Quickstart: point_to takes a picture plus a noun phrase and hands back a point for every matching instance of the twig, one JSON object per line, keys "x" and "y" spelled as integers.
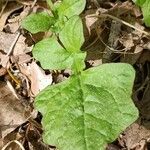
{"x": 125, "y": 53}
{"x": 13, "y": 44}
{"x": 33, "y": 4}
{"x": 110, "y": 48}
{"x": 112, "y": 42}
{"x": 92, "y": 43}
{"x": 4, "y": 61}
{"x": 121, "y": 21}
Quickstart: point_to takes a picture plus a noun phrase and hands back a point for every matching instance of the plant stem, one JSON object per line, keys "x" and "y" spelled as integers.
{"x": 51, "y": 5}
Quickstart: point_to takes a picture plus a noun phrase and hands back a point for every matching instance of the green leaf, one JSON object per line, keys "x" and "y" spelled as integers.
{"x": 72, "y": 34}
{"x": 53, "y": 56}
{"x": 40, "y": 22}
{"x": 146, "y": 12}
{"x": 139, "y": 2}
{"x": 88, "y": 111}
{"x": 69, "y": 8}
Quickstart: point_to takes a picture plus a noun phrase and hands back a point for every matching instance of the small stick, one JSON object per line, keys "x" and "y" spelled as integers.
{"x": 13, "y": 44}
{"x": 121, "y": 21}
{"x": 33, "y": 4}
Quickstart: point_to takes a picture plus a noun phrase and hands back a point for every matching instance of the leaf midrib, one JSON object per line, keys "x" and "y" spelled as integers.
{"x": 81, "y": 87}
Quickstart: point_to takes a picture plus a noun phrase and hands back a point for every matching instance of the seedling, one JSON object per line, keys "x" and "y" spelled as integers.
{"x": 91, "y": 108}
{"x": 55, "y": 19}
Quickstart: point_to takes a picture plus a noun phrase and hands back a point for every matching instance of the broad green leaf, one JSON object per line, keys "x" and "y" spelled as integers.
{"x": 69, "y": 8}
{"x": 146, "y": 12}
{"x": 72, "y": 34}
{"x": 53, "y": 56}
{"x": 39, "y": 22}
{"x": 88, "y": 111}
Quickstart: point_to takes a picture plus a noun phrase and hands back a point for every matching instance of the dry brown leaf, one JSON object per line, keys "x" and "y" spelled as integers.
{"x": 3, "y": 71}
{"x": 90, "y": 21}
{"x": 21, "y": 47}
{"x": 140, "y": 146}
{"x": 12, "y": 27}
{"x": 6, "y": 40}
{"x": 20, "y": 59}
{"x": 147, "y": 46}
{"x": 137, "y": 33}
{"x": 4, "y": 60}
{"x": 12, "y": 43}
{"x": 14, "y": 23}
{"x": 134, "y": 135}
{"x": 127, "y": 41}
{"x": 10, "y": 8}
{"x": 37, "y": 77}
{"x": 12, "y": 111}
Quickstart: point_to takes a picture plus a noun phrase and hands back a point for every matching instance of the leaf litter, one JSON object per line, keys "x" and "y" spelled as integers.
{"x": 107, "y": 40}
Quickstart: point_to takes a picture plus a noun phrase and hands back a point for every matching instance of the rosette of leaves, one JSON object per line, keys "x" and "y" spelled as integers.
{"x": 55, "y": 19}
{"x": 92, "y": 107}
{"x": 145, "y": 6}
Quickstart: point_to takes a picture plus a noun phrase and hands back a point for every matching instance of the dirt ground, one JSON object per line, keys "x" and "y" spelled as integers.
{"x": 118, "y": 34}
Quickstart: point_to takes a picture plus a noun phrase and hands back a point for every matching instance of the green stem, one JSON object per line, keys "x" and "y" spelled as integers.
{"x": 78, "y": 64}
{"x": 51, "y": 5}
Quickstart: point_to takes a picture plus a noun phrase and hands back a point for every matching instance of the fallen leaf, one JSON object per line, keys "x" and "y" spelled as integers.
{"x": 4, "y": 60}
{"x": 21, "y": 47}
{"x": 6, "y": 40}
{"x": 11, "y": 7}
{"x": 12, "y": 112}
{"x": 20, "y": 59}
{"x": 127, "y": 41}
{"x": 3, "y": 71}
{"x": 134, "y": 134}
{"x": 14, "y": 23}
{"x": 37, "y": 77}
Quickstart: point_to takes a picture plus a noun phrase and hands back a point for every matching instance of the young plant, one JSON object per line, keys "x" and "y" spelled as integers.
{"x": 91, "y": 108}
{"x": 145, "y": 6}
{"x": 56, "y": 18}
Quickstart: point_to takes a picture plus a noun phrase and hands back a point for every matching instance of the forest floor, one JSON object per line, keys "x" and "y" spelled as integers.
{"x": 118, "y": 35}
